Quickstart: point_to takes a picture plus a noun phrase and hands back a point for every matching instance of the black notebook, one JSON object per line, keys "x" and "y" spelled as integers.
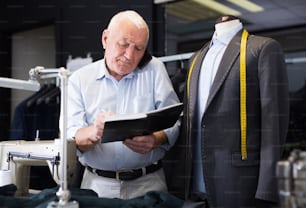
{"x": 120, "y": 127}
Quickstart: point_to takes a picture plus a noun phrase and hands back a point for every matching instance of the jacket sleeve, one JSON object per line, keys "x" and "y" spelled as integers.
{"x": 274, "y": 98}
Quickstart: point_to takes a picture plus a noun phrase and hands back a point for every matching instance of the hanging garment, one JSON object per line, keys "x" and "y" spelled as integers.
{"x": 37, "y": 117}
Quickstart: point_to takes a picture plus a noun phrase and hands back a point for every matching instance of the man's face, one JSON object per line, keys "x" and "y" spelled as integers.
{"x": 124, "y": 47}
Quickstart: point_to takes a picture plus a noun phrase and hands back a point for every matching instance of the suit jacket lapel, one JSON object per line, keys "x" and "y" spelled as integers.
{"x": 229, "y": 57}
{"x": 194, "y": 79}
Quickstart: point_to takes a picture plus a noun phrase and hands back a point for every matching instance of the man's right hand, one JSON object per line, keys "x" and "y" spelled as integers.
{"x": 87, "y": 137}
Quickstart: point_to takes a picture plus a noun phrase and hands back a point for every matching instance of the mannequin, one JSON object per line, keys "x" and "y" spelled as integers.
{"x": 223, "y": 27}
{"x": 210, "y": 167}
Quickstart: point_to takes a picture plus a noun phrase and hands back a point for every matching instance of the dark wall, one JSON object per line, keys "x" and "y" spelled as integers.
{"x": 78, "y": 27}
{"x": 5, "y": 57}
{"x": 81, "y": 26}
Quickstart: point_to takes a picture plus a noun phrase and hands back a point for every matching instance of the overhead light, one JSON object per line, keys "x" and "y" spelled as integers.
{"x": 218, "y": 7}
{"x": 162, "y": 1}
{"x": 190, "y": 11}
{"x": 247, "y": 5}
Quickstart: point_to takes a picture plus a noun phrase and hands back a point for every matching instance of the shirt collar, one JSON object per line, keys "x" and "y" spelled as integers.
{"x": 103, "y": 72}
{"x": 225, "y": 38}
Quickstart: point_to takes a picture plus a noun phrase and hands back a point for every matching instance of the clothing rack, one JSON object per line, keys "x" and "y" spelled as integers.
{"x": 295, "y": 60}
{"x": 184, "y": 56}
{"x": 176, "y": 57}
{"x": 32, "y": 84}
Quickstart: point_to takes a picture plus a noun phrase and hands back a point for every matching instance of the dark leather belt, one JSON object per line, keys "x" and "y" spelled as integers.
{"x": 127, "y": 175}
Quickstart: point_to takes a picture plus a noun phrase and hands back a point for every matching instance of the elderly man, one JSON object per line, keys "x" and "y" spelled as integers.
{"x": 127, "y": 80}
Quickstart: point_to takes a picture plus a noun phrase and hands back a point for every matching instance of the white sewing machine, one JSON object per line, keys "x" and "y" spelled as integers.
{"x": 19, "y": 156}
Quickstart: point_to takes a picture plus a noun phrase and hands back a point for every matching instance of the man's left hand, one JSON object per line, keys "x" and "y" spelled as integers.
{"x": 141, "y": 144}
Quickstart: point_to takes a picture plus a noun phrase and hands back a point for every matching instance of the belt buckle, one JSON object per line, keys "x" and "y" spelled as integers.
{"x": 128, "y": 175}
{"x": 126, "y": 178}
{"x": 93, "y": 170}
{"x": 118, "y": 174}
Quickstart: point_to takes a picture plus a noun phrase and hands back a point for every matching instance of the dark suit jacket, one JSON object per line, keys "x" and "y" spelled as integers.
{"x": 229, "y": 180}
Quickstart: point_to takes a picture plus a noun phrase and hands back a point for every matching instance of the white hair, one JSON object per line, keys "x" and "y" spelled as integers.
{"x": 132, "y": 17}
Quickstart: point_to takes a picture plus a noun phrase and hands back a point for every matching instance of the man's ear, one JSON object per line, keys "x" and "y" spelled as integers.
{"x": 145, "y": 59}
{"x": 104, "y": 37}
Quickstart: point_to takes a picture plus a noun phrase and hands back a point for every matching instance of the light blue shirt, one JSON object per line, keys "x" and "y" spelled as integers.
{"x": 92, "y": 89}
{"x": 207, "y": 75}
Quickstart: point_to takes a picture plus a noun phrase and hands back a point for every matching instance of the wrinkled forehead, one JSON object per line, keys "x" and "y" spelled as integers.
{"x": 129, "y": 33}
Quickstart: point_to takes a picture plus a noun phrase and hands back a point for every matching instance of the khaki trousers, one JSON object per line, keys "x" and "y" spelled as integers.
{"x": 112, "y": 188}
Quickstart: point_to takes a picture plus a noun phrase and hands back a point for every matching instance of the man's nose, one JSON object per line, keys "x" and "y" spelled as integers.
{"x": 129, "y": 52}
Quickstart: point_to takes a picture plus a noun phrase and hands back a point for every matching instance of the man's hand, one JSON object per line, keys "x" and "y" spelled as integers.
{"x": 88, "y": 137}
{"x": 144, "y": 144}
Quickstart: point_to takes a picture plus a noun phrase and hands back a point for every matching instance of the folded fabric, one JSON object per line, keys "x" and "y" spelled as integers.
{"x": 8, "y": 190}
{"x": 88, "y": 198}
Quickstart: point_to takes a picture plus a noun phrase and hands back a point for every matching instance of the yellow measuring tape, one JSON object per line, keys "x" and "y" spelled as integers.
{"x": 189, "y": 74}
{"x": 243, "y": 113}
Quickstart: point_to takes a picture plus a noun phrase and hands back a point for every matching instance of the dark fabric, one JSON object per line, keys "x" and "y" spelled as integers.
{"x": 178, "y": 81}
{"x": 19, "y": 125}
{"x": 229, "y": 181}
{"x": 8, "y": 190}
{"x": 35, "y": 114}
{"x": 88, "y": 198}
